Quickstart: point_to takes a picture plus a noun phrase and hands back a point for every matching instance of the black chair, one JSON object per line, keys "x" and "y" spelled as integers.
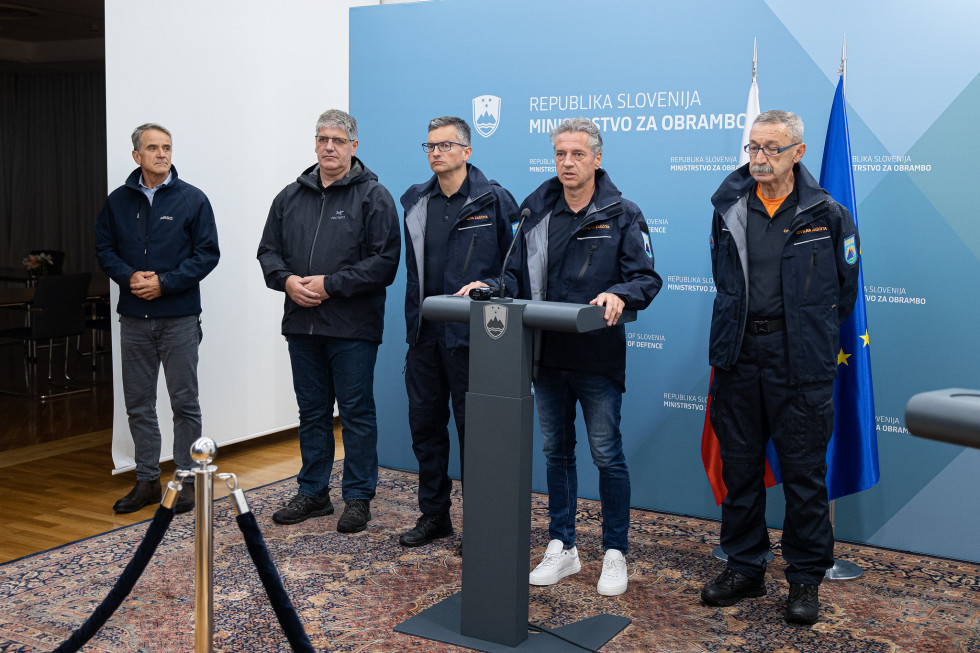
{"x": 57, "y": 311}
{"x": 99, "y": 323}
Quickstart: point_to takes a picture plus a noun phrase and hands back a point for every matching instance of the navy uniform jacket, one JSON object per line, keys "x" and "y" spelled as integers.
{"x": 819, "y": 275}
{"x": 479, "y": 238}
{"x": 176, "y": 238}
{"x": 610, "y": 252}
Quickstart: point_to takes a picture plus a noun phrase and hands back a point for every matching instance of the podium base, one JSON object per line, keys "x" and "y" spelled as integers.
{"x": 441, "y": 623}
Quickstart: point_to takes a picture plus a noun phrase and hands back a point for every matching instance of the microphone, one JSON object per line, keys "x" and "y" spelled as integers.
{"x": 503, "y": 267}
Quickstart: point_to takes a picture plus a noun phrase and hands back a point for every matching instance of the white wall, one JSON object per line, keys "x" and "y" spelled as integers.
{"x": 240, "y": 85}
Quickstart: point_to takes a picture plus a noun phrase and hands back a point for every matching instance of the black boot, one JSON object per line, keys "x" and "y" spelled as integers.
{"x": 427, "y": 528}
{"x": 185, "y": 500}
{"x": 143, "y": 493}
{"x": 803, "y": 605}
{"x": 731, "y": 587}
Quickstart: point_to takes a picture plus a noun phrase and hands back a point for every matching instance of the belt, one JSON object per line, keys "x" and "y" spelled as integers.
{"x": 756, "y": 325}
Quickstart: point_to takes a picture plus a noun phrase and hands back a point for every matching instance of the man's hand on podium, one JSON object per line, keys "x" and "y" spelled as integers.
{"x": 614, "y": 306}
{"x": 465, "y": 290}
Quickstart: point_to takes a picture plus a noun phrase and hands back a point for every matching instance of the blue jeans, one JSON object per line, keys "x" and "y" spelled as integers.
{"x": 555, "y": 393}
{"x": 146, "y": 343}
{"x": 327, "y": 369}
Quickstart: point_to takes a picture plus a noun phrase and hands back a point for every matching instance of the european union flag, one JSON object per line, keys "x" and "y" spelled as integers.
{"x": 852, "y": 457}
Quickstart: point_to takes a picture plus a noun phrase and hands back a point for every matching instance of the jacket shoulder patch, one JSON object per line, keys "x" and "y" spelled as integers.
{"x": 850, "y": 250}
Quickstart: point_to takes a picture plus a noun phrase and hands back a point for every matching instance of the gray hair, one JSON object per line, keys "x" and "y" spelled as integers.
{"x": 462, "y": 129}
{"x": 579, "y": 125}
{"x": 792, "y": 122}
{"x": 138, "y": 133}
{"x": 337, "y": 119}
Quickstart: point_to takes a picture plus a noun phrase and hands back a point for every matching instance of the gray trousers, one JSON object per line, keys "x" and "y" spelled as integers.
{"x": 146, "y": 343}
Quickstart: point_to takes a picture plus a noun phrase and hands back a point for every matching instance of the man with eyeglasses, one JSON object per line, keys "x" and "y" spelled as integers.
{"x": 331, "y": 245}
{"x": 457, "y": 227}
{"x": 584, "y": 243}
{"x": 784, "y": 257}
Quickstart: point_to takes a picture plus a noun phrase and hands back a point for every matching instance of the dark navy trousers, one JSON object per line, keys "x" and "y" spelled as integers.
{"x": 435, "y": 378}
{"x": 751, "y": 403}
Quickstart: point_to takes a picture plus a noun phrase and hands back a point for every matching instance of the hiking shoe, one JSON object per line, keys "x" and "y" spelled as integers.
{"x": 143, "y": 493}
{"x": 427, "y": 528}
{"x": 357, "y": 513}
{"x": 301, "y": 507}
{"x": 558, "y": 562}
{"x": 803, "y": 605}
{"x": 614, "y": 577}
{"x": 731, "y": 587}
{"x": 185, "y": 500}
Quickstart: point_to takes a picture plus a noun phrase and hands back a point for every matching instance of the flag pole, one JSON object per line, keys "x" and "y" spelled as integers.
{"x": 842, "y": 569}
{"x": 751, "y": 111}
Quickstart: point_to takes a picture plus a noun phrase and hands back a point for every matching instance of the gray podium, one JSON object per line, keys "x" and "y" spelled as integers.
{"x": 491, "y": 611}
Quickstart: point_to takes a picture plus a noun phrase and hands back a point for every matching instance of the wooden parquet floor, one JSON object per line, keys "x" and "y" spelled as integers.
{"x": 61, "y": 491}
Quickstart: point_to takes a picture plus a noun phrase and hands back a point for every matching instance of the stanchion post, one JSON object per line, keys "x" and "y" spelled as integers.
{"x": 203, "y": 452}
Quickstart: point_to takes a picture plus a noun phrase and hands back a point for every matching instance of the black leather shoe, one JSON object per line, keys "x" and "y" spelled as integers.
{"x": 301, "y": 508}
{"x": 143, "y": 493}
{"x": 185, "y": 500}
{"x": 803, "y": 605}
{"x": 357, "y": 513}
{"x": 731, "y": 587}
{"x": 427, "y": 528}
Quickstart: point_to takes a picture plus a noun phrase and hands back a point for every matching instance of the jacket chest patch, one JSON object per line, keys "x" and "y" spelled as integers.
{"x": 167, "y": 217}
{"x": 339, "y": 215}
{"x": 599, "y": 230}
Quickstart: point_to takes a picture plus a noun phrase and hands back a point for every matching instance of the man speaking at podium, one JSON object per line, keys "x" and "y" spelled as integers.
{"x": 583, "y": 242}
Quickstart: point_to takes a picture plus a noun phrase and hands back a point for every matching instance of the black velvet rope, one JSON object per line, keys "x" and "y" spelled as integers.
{"x": 119, "y": 592}
{"x": 283, "y": 607}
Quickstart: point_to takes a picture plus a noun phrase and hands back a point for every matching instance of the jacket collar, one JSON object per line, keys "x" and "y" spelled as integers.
{"x": 358, "y": 172}
{"x": 543, "y": 200}
{"x": 133, "y": 180}
{"x": 740, "y": 183}
{"x": 479, "y": 186}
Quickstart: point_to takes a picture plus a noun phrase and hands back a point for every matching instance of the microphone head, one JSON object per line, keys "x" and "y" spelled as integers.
{"x": 526, "y": 213}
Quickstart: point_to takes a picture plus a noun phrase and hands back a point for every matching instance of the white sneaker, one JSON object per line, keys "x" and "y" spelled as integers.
{"x": 558, "y": 562}
{"x": 614, "y": 577}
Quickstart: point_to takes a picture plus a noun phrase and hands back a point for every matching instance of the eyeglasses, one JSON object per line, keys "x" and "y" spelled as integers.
{"x": 325, "y": 140}
{"x": 752, "y": 150}
{"x": 444, "y": 146}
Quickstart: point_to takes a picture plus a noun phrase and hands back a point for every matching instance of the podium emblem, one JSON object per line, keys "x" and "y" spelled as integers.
{"x": 495, "y": 320}
{"x": 486, "y": 114}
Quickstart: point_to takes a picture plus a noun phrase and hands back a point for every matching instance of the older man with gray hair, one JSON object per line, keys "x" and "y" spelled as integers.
{"x": 331, "y": 245}
{"x": 784, "y": 256}
{"x": 156, "y": 238}
{"x": 583, "y": 242}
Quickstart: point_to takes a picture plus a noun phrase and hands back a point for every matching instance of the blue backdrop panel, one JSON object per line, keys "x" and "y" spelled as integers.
{"x": 667, "y": 85}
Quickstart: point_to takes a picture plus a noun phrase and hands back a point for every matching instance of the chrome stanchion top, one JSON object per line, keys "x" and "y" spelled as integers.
{"x": 203, "y": 451}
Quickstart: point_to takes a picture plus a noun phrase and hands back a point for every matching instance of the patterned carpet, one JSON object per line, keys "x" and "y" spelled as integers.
{"x": 350, "y": 591}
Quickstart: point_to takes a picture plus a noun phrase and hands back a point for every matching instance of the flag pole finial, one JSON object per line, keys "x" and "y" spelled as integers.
{"x": 842, "y": 71}
{"x": 755, "y": 58}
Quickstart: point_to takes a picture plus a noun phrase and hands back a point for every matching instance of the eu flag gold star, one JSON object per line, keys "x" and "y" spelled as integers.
{"x": 865, "y": 338}
{"x": 842, "y": 357}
